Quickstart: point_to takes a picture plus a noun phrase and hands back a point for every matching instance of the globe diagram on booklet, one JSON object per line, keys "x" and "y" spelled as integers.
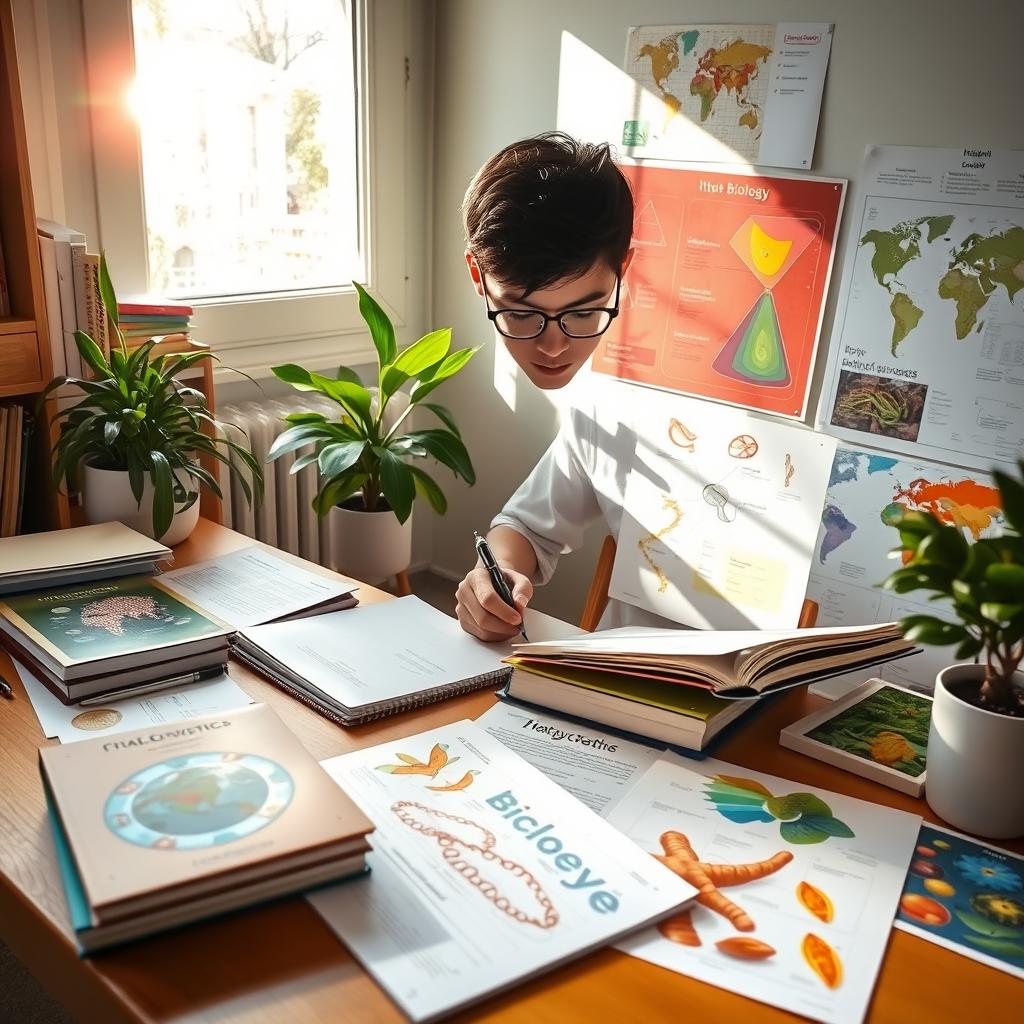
{"x": 198, "y": 801}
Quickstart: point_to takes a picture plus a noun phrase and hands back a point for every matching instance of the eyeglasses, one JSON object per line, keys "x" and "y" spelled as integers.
{"x": 526, "y": 324}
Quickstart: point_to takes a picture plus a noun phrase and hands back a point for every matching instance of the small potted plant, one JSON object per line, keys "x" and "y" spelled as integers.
{"x": 976, "y": 741}
{"x": 132, "y": 442}
{"x": 368, "y": 480}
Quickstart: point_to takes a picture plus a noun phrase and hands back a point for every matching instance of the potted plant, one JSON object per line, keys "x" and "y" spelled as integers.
{"x": 976, "y": 740}
{"x": 133, "y": 440}
{"x": 368, "y": 482}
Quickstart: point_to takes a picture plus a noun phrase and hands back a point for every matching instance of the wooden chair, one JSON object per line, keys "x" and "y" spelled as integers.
{"x": 597, "y": 595}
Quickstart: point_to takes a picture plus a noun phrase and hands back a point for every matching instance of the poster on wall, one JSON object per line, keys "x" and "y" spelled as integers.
{"x": 867, "y": 490}
{"x": 720, "y": 514}
{"x": 726, "y": 291}
{"x": 927, "y": 356}
{"x": 745, "y": 93}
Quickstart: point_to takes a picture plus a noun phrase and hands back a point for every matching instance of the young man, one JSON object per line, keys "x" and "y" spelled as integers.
{"x": 548, "y": 225}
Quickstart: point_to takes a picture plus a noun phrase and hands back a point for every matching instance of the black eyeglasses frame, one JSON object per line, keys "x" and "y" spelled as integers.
{"x": 612, "y": 311}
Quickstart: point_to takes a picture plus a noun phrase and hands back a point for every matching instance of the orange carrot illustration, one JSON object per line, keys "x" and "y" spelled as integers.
{"x": 463, "y": 783}
{"x": 414, "y": 766}
{"x": 679, "y": 928}
{"x": 707, "y": 879}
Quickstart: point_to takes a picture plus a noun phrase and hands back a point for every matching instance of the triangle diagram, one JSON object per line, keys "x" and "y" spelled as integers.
{"x": 755, "y": 352}
{"x": 647, "y": 228}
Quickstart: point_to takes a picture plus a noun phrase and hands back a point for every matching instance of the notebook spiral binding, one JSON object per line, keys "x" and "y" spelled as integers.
{"x": 408, "y": 703}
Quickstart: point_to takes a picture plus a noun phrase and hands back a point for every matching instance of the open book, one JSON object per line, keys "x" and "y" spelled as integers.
{"x": 731, "y": 663}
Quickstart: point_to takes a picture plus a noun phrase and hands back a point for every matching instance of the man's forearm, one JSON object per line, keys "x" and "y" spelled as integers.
{"x": 512, "y": 550}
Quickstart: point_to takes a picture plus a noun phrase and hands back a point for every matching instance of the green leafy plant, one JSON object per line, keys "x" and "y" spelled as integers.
{"x": 984, "y": 581}
{"x": 136, "y": 417}
{"x": 364, "y": 453}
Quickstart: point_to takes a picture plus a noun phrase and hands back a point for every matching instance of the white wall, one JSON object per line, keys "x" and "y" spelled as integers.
{"x": 912, "y": 72}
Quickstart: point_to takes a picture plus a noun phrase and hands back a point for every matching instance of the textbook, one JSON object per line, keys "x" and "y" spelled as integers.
{"x": 484, "y": 872}
{"x": 164, "y": 825}
{"x": 375, "y": 660}
{"x": 729, "y": 663}
{"x": 106, "y": 635}
{"x": 682, "y": 716}
{"x": 60, "y": 557}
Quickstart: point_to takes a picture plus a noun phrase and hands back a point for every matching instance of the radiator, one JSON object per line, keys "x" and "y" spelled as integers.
{"x": 286, "y": 518}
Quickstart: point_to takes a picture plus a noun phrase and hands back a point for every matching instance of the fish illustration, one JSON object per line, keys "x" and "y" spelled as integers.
{"x": 414, "y": 766}
{"x": 463, "y": 783}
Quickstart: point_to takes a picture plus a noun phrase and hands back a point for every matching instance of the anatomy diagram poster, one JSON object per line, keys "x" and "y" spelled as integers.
{"x": 721, "y": 515}
{"x": 725, "y": 294}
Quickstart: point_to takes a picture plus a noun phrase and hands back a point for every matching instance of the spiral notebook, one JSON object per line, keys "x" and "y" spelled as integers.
{"x": 375, "y": 660}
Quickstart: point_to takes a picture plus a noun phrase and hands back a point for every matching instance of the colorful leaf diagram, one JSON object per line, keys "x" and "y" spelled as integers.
{"x": 410, "y": 765}
{"x": 805, "y": 818}
{"x": 464, "y": 783}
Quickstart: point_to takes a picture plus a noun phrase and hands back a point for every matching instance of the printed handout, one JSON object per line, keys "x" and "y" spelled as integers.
{"x": 595, "y": 766}
{"x": 798, "y": 886}
{"x": 483, "y": 871}
{"x": 70, "y": 723}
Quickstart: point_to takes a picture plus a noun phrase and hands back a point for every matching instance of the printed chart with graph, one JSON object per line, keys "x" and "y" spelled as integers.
{"x": 721, "y": 511}
{"x": 724, "y": 297}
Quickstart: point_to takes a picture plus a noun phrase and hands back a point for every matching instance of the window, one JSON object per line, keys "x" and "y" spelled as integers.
{"x": 254, "y": 157}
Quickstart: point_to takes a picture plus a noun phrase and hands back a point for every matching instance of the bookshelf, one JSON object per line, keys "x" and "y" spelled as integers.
{"x": 25, "y": 363}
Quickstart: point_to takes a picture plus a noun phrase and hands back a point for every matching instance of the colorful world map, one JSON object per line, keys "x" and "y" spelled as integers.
{"x": 974, "y": 269}
{"x": 731, "y": 66}
{"x": 970, "y": 504}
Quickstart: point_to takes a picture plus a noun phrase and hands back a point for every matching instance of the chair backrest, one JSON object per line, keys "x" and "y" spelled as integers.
{"x": 597, "y": 595}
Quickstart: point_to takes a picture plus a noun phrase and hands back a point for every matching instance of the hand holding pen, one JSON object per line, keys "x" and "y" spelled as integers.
{"x": 498, "y": 582}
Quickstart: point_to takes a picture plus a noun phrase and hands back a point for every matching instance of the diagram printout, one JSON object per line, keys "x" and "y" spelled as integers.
{"x": 725, "y": 293}
{"x": 927, "y": 356}
{"x": 721, "y": 511}
{"x": 866, "y": 491}
{"x": 798, "y": 886}
{"x": 750, "y": 93}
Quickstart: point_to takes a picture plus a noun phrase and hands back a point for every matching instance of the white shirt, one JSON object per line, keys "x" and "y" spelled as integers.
{"x": 579, "y": 479}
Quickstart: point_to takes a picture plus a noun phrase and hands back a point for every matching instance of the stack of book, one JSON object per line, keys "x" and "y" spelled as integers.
{"x": 142, "y": 317}
{"x": 61, "y": 557}
{"x": 162, "y": 826}
{"x": 682, "y": 687}
{"x": 71, "y": 284}
{"x": 110, "y": 635}
{"x": 15, "y": 428}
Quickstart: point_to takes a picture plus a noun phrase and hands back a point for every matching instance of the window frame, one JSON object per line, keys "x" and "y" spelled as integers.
{"x": 319, "y": 328}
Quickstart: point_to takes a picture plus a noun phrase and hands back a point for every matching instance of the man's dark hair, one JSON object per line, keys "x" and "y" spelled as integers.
{"x": 547, "y": 209}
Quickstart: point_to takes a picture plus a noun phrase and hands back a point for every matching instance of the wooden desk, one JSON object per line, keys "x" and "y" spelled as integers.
{"x": 282, "y": 964}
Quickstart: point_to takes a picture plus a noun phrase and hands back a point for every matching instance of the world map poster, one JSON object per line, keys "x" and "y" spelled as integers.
{"x": 866, "y": 491}
{"x": 747, "y": 93}
{"x": 725, "y": 294}
{"x": 927, "y": 355}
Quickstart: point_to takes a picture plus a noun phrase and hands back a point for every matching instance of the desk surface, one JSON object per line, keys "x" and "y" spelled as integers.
{"x": 282, "y": 963}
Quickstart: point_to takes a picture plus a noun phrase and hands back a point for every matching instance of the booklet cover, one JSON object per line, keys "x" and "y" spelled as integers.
{"x": 798, "y": 885}
{"x": 966, "y": 896}
{"x": 878, "y": 730}
{"x": 484, "y": 872}
{"x": 149, "y": 810}
{"x": 73, "y": 626}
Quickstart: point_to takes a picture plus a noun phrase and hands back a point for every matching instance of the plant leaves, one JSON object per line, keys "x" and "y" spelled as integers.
{"x": 163, "y": 493}
{"x": 425, "y": 353}
{"x": 338, "y": 456}
{"x": 381, "y": 329}
{"x": 298, "y": 377}
{"x": 928, "y": 629}
{"x": 1012, "y": 492}
{"x": 107, "y": 291}
{"x": 448, "y": 449}
{"x": 448, "y": 367}
{"x": 445, "y": 416}
{"x": 336, "y": 491}
{"x": 427, "y": 488}
{"x": 346, "y": 373}
{"x": 396, "y": 483}
{"x": 352, "y": 397}
{"x": 92, "y": 354}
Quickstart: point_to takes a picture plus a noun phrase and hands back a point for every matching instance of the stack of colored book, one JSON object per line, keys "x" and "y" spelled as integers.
{"x": 142, "y": 317}
{"x": 162, "y": 826}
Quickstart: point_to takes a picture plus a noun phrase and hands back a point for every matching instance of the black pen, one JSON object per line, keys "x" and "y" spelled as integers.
{"x": 498, "y": 581}
{"x": 5, "y": 689}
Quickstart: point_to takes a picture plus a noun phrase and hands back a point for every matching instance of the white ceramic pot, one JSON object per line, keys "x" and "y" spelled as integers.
{"x": 107, "y": 497}
{"x": 975, "y": 759}
{"x": 369, "y": 546}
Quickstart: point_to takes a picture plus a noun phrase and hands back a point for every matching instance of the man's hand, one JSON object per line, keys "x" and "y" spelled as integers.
{"x": 484, "y": 614}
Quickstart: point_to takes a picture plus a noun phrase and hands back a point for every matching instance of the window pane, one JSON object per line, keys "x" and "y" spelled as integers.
{"x": 247, "y": 117}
